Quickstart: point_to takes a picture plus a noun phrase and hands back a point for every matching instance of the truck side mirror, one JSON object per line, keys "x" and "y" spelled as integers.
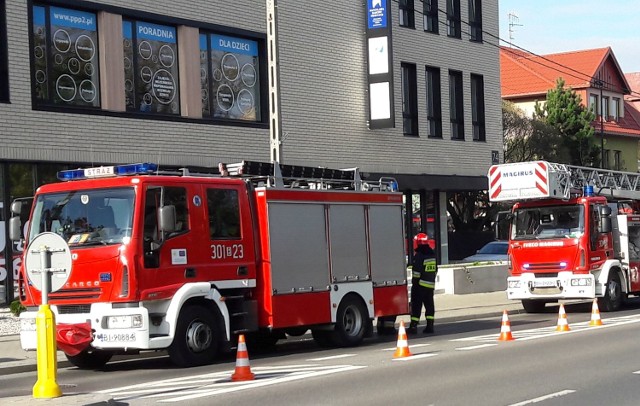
{"x": 605, "y": 211}
{"x": 605, "y": 225}
{"x": 15, "y": 227}
{"x": 167, "y": 219}
{"x": 16, "y": 207}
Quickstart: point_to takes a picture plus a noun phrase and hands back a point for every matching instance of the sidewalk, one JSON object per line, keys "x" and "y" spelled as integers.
{"x": 449, "y": 308}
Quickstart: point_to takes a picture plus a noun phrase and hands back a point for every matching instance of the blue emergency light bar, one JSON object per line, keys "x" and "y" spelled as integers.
{"x": 108, "y": 171}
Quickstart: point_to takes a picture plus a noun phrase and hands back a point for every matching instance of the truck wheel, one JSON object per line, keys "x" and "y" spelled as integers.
{"x": 612, "y": 299}
{"x": 196, "y": 340}
{"x": 90, "y": 359}
{"x": 351, "y": 322}
{"x": 533, "y": 306}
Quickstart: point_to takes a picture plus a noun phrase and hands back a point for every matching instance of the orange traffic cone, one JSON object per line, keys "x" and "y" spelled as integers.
{"x": 505, "y": 328}
{"x": 595, "y": 314}
{"x": 243, "y": 369}
{"x": 563, "y": 324}
{"x": 402, "y": 348}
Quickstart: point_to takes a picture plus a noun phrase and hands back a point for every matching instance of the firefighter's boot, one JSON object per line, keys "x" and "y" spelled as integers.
{"x": 429, "y": 329}
{"x": 413, "y": 328}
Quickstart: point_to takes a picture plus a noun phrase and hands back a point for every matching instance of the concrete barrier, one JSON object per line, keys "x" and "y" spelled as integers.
{"x": 460, "y": 279}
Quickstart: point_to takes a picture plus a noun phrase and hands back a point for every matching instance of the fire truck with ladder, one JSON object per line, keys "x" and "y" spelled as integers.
{"x": 574, "y": 233}
{"x": 186, "y": 262}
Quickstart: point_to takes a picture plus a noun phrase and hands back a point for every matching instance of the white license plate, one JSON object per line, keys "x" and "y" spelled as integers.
{"x": 545, "y": 284}
{"x": 116, "y": 337}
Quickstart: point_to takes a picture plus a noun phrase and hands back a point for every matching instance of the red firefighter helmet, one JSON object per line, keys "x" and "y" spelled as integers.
{"x": 421, "y": 239}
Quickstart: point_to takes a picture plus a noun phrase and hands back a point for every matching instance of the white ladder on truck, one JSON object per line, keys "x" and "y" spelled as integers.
{"x": 604, "y": 181}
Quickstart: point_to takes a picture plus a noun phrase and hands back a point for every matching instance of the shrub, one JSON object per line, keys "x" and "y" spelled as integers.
{"x": 16, "y": 307}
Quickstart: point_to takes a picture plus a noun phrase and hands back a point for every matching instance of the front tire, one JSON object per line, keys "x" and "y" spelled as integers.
{"x": 90, "y": 359}
{"x": 612, "y": 300}
{"x": 196, "y": 340}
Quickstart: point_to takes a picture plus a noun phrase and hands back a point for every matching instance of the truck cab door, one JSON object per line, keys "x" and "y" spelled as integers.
{"x": 169, "y": 250}
{"x": 229, "y": 233}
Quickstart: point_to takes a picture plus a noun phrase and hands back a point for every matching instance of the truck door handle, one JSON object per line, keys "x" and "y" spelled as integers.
{"x": 190, "y": 273}
{"x": 242, "y": 271}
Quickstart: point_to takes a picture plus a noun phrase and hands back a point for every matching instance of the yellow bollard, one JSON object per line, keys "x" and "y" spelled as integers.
{"x": 46, "y": 385}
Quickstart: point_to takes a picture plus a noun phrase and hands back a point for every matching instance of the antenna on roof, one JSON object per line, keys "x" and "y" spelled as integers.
{"x": 513, "y": 22}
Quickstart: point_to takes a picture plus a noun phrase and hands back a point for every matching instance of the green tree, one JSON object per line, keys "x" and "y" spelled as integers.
{"x": 564, "y": 111}
{"x": 529, "y": 139}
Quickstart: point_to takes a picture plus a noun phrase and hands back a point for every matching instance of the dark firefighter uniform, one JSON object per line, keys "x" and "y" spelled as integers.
{"x": 423, "y": 283}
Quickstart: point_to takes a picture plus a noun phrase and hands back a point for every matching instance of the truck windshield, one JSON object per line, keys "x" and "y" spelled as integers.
{"x": 85, "y": 217}
{"x": 548, "y": 222}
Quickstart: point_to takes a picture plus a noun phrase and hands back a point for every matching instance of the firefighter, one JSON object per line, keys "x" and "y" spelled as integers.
{"x": 423, "y": 283}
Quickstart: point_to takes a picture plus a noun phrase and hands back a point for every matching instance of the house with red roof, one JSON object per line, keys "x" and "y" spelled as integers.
{"x": 596, "y": 76}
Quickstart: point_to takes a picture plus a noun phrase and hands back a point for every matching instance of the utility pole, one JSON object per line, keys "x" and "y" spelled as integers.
{"x": 600, "y": 84}
{"x": 275, "y": 116}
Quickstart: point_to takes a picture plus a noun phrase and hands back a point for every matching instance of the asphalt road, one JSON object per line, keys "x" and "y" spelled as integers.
{"x": 463, "y": 364}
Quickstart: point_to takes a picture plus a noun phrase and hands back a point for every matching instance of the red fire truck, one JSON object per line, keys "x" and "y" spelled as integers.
{"x": 186, "y": 262}
{"x": 575, "y": 232}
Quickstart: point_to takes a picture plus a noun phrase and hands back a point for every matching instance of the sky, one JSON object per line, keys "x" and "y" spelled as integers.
{"x": 552, "y": 26}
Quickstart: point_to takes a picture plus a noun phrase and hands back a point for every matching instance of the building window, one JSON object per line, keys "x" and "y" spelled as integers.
{"x": 151, "y": 67}
{"x": 593, "y": 104}
{"x": 430, "y": 15}
{"x": 4, "y": 62}
{"x": 455, "y": 105}
{"x": 434, "y": 107}
{"x": 453, "y": 19}
{"x": 605, "y": 107}
{"x": 477, "y": 107}
{"x": 475, "y": 20}
{"x": 617, "y": 160}
{"x": 605, "y": 164}
{"x": 65, "y": 57}
{"x": 409, "y": 99}
{"x": 406, "y": 13}
{"x": 616, "y": 108}
{"x": 229, "y": 78}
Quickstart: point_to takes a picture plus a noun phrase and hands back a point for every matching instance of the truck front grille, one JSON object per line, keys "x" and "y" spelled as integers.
{"x": 75, "y": 294}
{"x": 74, "y": 309}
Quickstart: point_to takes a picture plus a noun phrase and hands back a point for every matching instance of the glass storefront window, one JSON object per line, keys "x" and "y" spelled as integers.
{"x": 151, "y": 67}
{"x": 65, "y": 57}
{"x": 230, "y": 79}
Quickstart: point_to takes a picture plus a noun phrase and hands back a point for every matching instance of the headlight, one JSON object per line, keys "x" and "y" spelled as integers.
{"x": 125, "y": 321}
{"x": 581, "y": 282}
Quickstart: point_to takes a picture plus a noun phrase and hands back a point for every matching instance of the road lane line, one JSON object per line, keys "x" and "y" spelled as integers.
{"x": 411, "y": 346}
{"x": 332, "y": 357}
{"x": 414, "y": 357}
{"x": 475, "y": 347}
{"x": 260, "y": 383}
{"x": 545, "y": 397}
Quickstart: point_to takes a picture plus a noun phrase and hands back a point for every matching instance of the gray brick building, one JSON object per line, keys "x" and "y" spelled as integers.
{"x": 185, "y": 83}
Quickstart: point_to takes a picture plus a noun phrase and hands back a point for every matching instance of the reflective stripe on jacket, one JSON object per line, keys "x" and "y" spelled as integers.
{"x": 428, "y": 275}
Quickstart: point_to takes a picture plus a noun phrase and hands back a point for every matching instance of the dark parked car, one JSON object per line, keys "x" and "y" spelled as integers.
{"x": 493, "y": 251}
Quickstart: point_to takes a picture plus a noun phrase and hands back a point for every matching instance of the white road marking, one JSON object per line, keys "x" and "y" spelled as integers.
{"x": 410, "y": 346}
{"x": 542, "y": 332}
{"x": 414, "y": 357}
{"x": 260, "y": 383}
{"x": 191, "y": 387}
{"x": 545, "y": 397}
{"x": 332, "y": 357}
{"x": 475, "y": 347}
